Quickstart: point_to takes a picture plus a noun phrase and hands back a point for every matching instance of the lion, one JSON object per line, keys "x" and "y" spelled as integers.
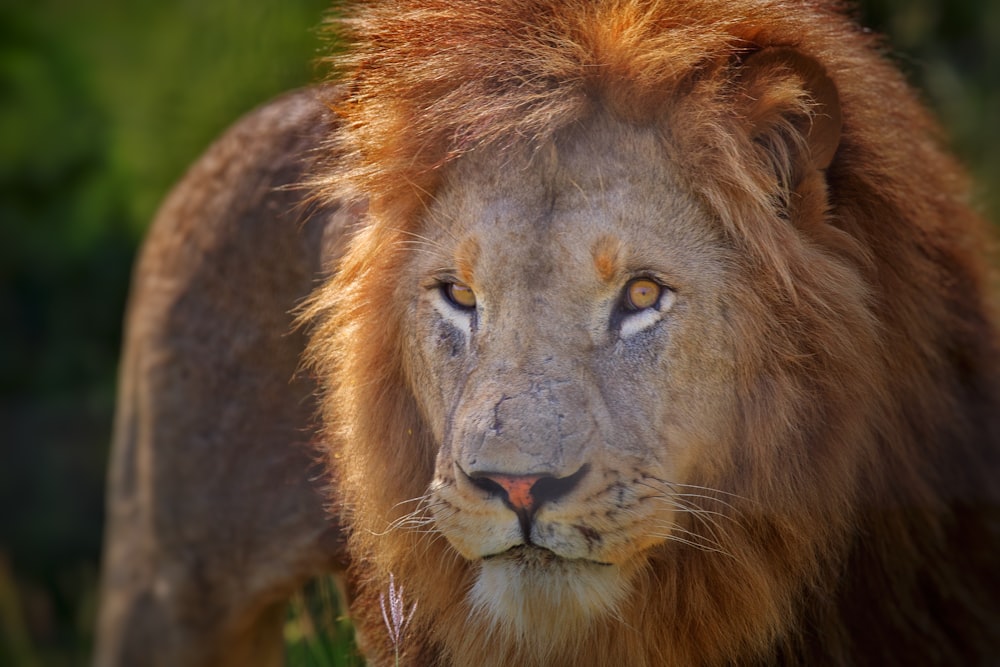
{"x": 640, "y": 332}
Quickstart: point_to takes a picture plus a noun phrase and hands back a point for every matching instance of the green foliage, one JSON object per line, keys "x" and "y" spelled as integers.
{"x": 102, "y": 106}
{"x": 951, "y": 50}
{"x": 62, "y": 233}
{"x": 316, "y": 635}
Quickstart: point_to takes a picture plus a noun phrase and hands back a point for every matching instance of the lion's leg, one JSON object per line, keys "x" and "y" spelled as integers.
{"x": 214, "y": 513}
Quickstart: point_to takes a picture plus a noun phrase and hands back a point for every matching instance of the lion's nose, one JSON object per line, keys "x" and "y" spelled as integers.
{"x": 526, "y": 493}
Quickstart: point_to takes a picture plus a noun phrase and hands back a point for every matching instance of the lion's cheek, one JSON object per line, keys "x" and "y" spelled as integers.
{"x": 589, "y": 535}
{"x": 433, "y": 372}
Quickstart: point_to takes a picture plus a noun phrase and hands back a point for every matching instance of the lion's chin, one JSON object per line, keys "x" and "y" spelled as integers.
{"x": 530, "y": 591}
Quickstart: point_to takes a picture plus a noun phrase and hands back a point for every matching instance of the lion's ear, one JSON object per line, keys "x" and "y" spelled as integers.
{"x": 794, "y": 110}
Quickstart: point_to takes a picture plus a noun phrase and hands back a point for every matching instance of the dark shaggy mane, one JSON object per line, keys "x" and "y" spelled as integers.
{"x": 903, "y": 322}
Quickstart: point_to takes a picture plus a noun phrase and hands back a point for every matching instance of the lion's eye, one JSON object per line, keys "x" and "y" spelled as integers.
{"x": 459, "y": 295}
{"x": 641, "y": 293}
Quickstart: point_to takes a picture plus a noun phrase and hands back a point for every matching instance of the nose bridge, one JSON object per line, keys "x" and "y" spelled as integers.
{"x": 526, "y": 422}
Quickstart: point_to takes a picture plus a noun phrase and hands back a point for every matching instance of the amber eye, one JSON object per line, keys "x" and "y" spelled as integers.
{"x": 641, "y": 293}
{"x": 461, "y": 296}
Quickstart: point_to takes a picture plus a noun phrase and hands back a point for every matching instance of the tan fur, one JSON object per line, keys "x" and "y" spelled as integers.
{"x": 214, "y": 507}
{"x": 824, "y": 408}
{"x": 606, "y": 258}
{"x": 465, "y": 259}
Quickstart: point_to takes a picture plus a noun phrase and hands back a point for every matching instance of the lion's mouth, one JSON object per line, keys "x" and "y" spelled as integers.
{"x": 531, "y": 555}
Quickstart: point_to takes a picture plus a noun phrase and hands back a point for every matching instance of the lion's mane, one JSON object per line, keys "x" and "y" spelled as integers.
{"x": 865, "y": 482}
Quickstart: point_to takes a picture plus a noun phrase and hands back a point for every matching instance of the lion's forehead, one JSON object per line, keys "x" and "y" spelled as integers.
{"x": 539, "y": 211}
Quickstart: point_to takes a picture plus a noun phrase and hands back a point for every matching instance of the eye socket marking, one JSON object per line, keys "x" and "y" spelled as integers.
{"x": 459, "y": 295}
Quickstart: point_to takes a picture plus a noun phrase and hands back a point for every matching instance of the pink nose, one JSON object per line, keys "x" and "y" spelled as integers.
{"x": 518, "y": 490}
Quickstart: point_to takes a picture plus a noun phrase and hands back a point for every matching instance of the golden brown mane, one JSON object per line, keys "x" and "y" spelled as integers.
{"x": 867, "y": 536}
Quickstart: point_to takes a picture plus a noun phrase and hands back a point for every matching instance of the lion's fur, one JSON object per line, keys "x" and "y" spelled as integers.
{"x": 213, "y": 518}
{"x": 864, "y": 479}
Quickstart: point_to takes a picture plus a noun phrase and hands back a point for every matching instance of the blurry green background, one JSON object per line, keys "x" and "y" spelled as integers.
{"x": 102, "y": 106}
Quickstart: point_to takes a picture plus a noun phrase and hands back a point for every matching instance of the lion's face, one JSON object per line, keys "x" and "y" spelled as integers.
{"x": 567, "y": 341}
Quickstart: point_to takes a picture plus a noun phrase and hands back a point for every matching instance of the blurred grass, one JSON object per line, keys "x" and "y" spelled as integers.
{"x": 316, "y": 633}
{"x": 103, "y": 104}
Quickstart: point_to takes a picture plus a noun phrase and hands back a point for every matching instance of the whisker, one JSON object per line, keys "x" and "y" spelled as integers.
{"x": 702, "y": 488}
{"x": 671, "y": 537}
{"x": 672, "y": 488}
{"x": 683, "y": 501}
{"x": 697, "y": 537}
{"x": 417, "y": 519}
{"x": 418, "y": 499}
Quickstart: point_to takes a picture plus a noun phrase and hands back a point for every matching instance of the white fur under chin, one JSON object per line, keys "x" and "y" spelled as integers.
{"x": 529, "y": 595}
